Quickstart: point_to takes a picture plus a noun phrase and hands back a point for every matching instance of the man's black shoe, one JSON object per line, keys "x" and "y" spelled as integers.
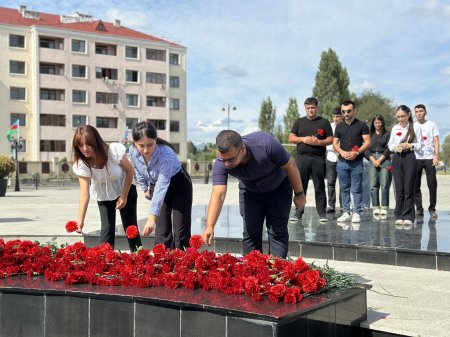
{"x": 330, "y": 210}
{"x": 433, "y": 214}
{"x": 419, "y": 212}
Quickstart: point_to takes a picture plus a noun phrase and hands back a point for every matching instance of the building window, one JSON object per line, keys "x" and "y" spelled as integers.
{"x": 51, "y": 68}
{"x": 106, "y": 73}
{"x": 53, "y": 94}
{"x": 106, "y": 98}
{"x": 176, "y": 147}
{"x": 132, "y": 76}
{"x": 174, "y": 59}
{"x": 130, "y": 122}
{"x": 155, "y": 54}
{"x": 16, "y": 93}
{"x": 160, "y": 124}
{"x": 157, "y": 78}
{"x": 16, "y": 67}
{"x": 52, "y": 146}
{"x": 156, "y": 101}
{"x": 78, "y": 71}
{"x": 51, "y": 42}
{"x": 132, "y": 100}
{"x": 17, "y": 116}
{"x": 78, "y": 46}
{"x": 16, "y": 41}
{"x": 106, "y": 49}
{"x": 106, "y": 122}
{"x": 175, "y": 126}
{"x": 79, "y": 96}
{"x": 52, "y": 120}
{"x": 174, "y": 82}
{"x": 78, "y": 120}
{"x": 45, "y": 167}
{"x": 23, "y": 168}
{"x": 131, "y": 52}
{"x": 174, "y": 104}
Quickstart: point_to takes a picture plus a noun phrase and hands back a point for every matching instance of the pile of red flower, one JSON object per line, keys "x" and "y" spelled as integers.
{"x": 255, "y": 274}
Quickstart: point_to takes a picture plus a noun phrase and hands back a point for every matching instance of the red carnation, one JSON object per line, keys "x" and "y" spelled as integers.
{"x": 389, "y": 168}
{"x": 196, "y": 241}
{"x": 71, "y": 226}
{"x": 424, "y": 137}
{"x": 132, "y": 232}
{"x": 399, "y": 134}
{"x": 320, "y": 132}
{"x": 355, "y": 148}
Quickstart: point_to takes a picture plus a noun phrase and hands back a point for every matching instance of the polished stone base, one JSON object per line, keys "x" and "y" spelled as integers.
{"x": 36, "y": 307}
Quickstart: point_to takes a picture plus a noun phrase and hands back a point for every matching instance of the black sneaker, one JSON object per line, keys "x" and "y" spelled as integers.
{"x": 330, "y": 210}
{"x": 297, "y": 216}
{"x": 419, "y": 212}
{"x": 433, "y": 214}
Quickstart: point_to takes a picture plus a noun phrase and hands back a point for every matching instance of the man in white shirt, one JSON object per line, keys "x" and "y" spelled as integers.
{"x": 427, "y": 158}
{"x": 332, "y": 159}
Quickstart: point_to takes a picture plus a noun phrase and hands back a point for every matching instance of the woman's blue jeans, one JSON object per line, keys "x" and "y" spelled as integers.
{"x": 380, "y": 182}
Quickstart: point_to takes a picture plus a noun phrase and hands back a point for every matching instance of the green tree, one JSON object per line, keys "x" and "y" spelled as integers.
{"x": 332, "y": 81}
{"x": 369, "y": 104}
{"x": 444, "y": 154}
{"x": 292, "y": 114}
{"x": 278, "y": 133}
{"x": 191, "y": 150}
{"x": 267, "y": 115}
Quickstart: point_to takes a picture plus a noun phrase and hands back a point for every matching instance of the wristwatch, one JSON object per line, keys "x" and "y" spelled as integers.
{"x": 299, "y": 193}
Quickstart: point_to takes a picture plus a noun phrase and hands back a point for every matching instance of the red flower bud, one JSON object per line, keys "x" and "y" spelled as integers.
{"x": 132, "y": 232}
{"x": 389, "y": 168}
{"x": 355, "y": 148}
{"x": 71, "y": 226}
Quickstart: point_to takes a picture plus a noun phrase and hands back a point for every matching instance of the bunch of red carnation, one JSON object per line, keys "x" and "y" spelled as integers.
{"x": 256, "y": 274}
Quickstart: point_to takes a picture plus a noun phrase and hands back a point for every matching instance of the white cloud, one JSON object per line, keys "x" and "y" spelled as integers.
{"x": 446, "y": 71}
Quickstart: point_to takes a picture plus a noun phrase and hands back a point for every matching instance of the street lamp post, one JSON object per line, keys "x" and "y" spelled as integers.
{"x": 16, "y": 145}
{"x": 228, "y": 107}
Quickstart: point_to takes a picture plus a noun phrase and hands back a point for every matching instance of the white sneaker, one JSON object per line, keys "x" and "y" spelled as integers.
{"x": 356, "y": 218}
{"x": 399, "y": 224}
{"x": 344, "y": 217}
{"x": 407, "y": 224}
{"x": 383, "y": 211}
{"x": 376, "y": 211}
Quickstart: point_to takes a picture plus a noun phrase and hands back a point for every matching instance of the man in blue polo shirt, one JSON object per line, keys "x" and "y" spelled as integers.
{"x": 351, "y": 139}
{"x": 267, "y": 175}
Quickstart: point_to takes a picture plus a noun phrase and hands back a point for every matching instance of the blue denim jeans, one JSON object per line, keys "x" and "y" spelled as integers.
{"x": 380, "y": 182}
{"x": 350, "y": 175}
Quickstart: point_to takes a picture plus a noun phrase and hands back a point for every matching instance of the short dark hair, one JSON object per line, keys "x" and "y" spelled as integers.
{"x": 336, "y": 111}
{"x": 226, "y": 139}
{"x": 312, "y": 101}
{"x": 348, "y": 102}
{"x": 420, "y": 106}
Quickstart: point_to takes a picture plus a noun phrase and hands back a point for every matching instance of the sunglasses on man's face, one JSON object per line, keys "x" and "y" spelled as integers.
{"x": 232, "y": 159}
{"x": 344, "y": 112}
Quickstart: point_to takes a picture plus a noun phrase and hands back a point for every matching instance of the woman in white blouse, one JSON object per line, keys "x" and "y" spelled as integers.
{"x": 105, "y": 174}
{"x": 402, "y": 142}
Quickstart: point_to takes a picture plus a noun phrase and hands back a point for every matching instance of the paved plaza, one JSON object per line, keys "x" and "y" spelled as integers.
{"x": 406, "y": 301}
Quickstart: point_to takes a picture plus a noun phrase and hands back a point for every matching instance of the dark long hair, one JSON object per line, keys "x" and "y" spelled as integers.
{"x": 383, "y": 124}
{"x": 148, "y": 129}
{"x": 89, "y": 135}
{"x": 410, "y": 135}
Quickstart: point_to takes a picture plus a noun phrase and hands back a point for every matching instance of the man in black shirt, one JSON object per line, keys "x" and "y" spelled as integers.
{"x": 312, "y": 134}
{"x": 351, "y": 139}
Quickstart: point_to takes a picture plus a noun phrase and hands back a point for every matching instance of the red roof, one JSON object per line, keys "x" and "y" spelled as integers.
{"x": 11, "y": 16}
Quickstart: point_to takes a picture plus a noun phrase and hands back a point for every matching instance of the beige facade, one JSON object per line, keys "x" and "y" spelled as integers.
{"x": 56, "y": 78}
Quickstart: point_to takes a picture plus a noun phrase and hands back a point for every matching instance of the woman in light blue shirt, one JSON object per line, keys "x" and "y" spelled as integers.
{"x": 163, "y": 181}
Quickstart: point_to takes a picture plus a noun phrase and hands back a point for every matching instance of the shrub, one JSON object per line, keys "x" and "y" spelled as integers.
{"x": 7, "y": 166}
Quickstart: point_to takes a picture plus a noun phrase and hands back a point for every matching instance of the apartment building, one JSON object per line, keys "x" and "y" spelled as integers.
{"x": 61, "y": 71}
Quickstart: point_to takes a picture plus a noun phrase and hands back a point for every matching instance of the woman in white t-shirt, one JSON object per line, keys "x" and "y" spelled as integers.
{"x": 105, "y": 174}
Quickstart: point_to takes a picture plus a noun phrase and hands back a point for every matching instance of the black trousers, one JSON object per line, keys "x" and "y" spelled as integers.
{"x": 128, "y": 215}
{"x": 314, "y": 167}
{"x": 404, "y": 172}
{"x": 430, "y": 172}
{"x": 331, "y": 175}
{"x": 173, "y": 226}
{"x": 273, "y": 207}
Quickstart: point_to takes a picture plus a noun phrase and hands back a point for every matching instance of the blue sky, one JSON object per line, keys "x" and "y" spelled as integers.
{"x": 241, "y": 51}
